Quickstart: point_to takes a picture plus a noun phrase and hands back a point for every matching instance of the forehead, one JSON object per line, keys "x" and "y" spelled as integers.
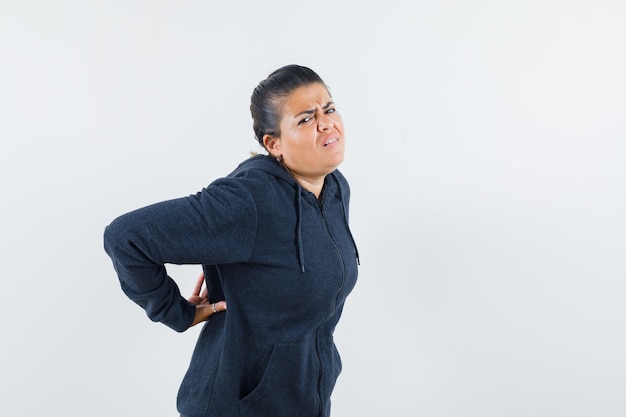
{"x": 306, "y": 97}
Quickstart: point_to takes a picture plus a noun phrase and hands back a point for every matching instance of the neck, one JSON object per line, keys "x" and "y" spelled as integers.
{"x": 313, "y": 185}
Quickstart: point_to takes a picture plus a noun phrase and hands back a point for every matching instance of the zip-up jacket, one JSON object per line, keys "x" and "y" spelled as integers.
{"x": 283, "y": 260}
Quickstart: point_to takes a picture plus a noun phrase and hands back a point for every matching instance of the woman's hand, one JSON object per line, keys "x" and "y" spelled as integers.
{"x": 200, "y": 298}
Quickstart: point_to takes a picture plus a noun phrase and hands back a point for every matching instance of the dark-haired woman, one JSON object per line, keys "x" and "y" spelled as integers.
{"x": 277, "y": 255}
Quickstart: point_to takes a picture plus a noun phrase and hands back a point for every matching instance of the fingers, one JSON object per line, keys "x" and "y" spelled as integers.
{"x": 205, "y": 311}
{"x": 198, "y": 286}
{"x": 218, "y": 307}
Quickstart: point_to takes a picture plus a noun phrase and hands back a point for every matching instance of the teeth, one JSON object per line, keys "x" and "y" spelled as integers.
{"x": 330, "y": 141}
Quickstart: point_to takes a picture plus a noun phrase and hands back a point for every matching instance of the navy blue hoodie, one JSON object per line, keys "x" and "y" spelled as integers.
{"x": 283, "y": 261}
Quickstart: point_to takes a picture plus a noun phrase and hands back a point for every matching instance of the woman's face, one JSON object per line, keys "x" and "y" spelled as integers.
{"x": 311, "y": 142}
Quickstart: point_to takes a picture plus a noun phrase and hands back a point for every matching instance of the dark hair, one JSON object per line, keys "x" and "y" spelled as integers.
{"x": 267, "y": 97}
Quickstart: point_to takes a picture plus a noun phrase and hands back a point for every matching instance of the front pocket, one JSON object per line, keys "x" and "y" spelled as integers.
{"x": 289, "y": 385}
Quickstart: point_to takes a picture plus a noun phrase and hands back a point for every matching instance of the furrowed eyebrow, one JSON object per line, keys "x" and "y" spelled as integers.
{"x": 304, "y": 112}
{"x": 312, "y": 111}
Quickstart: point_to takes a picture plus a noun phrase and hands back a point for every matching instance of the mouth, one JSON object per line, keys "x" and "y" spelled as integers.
{"x": 331, "y": 141}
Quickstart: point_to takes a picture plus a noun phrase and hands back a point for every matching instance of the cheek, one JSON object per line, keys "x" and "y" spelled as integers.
{"x": 339, "y": 124}
{"x": 292, "y": 145}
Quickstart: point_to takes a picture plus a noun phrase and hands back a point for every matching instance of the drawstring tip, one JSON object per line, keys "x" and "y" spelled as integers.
{"x": 302, "y": 268}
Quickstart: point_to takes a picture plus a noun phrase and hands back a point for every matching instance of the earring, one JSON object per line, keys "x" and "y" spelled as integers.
{"x": 279, "y": 158}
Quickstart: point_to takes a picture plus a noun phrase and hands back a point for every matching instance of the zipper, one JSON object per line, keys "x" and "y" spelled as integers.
{"x": 341, "y": 261}
{"x": 320, "y": 410}
{"x": 334, "y": 307}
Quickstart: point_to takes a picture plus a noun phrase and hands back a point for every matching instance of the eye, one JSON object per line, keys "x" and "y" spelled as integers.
{"x": 305, "y": 120}
{"x": 331, "y": 110}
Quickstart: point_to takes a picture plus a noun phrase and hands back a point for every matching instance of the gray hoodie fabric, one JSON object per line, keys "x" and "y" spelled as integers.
{"x": 283, "y": 261}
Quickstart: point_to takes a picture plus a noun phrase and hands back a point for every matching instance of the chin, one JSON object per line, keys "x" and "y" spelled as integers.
{"x": 335, "y": 164}
{"x": 339, "y": 158}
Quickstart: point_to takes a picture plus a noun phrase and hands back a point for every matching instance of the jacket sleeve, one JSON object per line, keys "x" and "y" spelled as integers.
{"x": 214, "y": 226}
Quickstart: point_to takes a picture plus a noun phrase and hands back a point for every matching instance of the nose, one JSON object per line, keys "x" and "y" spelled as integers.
{"x": 325, "y": 123}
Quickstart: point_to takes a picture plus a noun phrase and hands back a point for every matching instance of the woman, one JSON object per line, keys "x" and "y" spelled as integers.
{"x": 276, "y": 250}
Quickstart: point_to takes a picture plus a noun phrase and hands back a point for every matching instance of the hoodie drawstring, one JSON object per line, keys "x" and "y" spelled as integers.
{"x": 299, "y": 225}
{"x": 345, "y": 219}
{"x": 356, "y": 251}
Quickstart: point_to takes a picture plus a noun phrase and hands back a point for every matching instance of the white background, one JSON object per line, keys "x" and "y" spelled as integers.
{"x": 487, "y": 161}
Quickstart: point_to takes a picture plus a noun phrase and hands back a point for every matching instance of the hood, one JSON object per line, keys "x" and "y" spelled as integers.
{"x": 266, "y": 164}
{"x": 271, "y": 166}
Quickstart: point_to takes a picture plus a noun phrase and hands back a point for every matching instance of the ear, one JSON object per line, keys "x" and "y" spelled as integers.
{"x": 272, "y": 144}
